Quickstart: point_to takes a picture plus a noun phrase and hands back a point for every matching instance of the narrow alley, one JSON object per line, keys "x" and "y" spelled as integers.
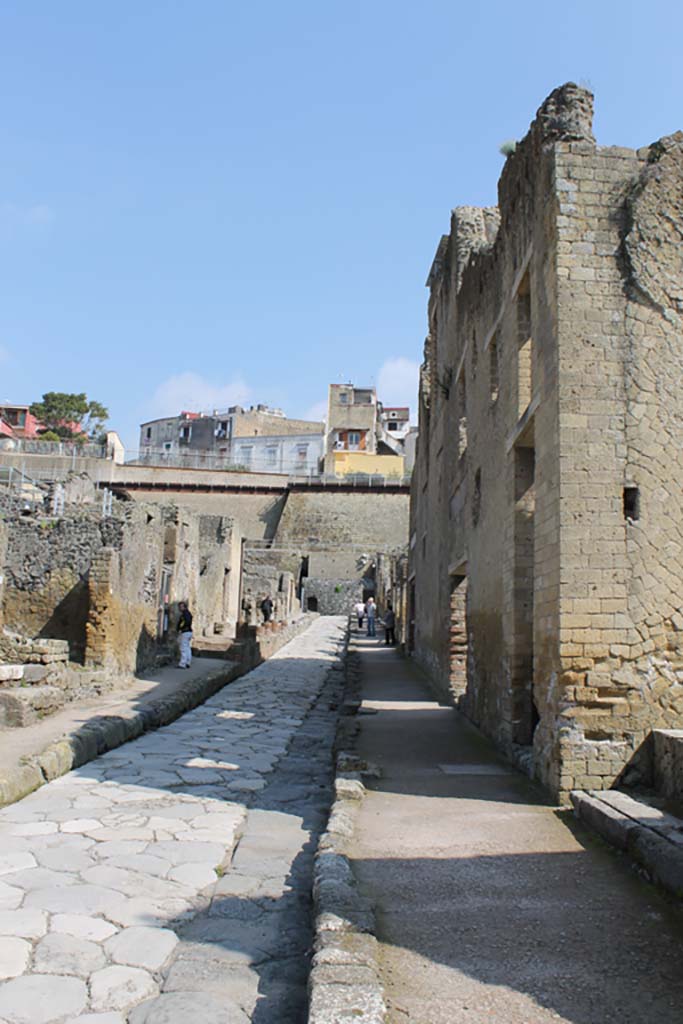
{"x": 492, "y": 907}
{"x": 169, "y": 880}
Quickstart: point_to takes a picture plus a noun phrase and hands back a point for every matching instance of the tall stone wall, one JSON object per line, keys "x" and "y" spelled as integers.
{"x": 370, "y": 519}
{"x": 545, "y": 537}
{"x": 621, "y": 608}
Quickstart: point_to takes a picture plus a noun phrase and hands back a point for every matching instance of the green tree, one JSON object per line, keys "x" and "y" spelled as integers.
{"x": 69, "y": 416}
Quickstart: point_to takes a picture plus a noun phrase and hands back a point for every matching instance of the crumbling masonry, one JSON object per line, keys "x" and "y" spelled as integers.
{"x": 546, "y": 588}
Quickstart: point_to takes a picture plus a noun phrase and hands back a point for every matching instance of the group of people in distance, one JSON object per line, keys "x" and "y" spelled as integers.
{"x": 367, "y": 610}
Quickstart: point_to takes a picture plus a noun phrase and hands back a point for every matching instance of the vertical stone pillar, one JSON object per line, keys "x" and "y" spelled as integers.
{"x": 100, "y": 633}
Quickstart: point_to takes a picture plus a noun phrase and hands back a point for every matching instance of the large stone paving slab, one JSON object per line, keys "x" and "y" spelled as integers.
{"x": 121, "y": 894}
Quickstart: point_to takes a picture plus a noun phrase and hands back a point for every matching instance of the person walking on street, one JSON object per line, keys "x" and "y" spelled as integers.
{"x": 389, "y": 625}
{"x": 360, "y": 612}
{"x": 185, "y": 635}
{"x": 371, "y": 612}
{"x": 267, "y": 608}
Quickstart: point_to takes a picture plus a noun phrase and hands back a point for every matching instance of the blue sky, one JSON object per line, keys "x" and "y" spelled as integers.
{"x": 206, "y": 202}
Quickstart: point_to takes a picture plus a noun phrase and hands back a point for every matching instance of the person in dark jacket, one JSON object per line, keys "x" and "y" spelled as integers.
{"x": 267, "y": 608}
{"x": 185, "y": 635}
{"x": 389, "y": 625}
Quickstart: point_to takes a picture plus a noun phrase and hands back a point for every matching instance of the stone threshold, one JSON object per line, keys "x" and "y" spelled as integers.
{"x": 650, "y": 837}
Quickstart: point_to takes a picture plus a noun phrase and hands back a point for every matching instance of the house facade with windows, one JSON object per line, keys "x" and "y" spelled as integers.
{"x": 216, "y": 438}
{"x": 546, "y": 545}
{"x": 294, "y": 455}
{"x": 17, "y": 421}
{"x": 358, "y": 441}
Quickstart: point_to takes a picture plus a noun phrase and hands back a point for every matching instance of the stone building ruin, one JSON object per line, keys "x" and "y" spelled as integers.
{"x": 546, "y": 549}
{"x": 88, "y": 599}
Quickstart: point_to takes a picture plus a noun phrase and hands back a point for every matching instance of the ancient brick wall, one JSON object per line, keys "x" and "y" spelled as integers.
{"x": 45, "y": 569}
{"x": 620, "y": 599}
{"x": 3, "y": 556}
{"x": 97, "y": 582}
{"x": 550, "y": 439}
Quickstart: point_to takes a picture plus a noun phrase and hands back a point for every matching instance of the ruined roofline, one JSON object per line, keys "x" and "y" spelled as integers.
{"x": 436, "y": 268}
{"x": 566, "y": 115}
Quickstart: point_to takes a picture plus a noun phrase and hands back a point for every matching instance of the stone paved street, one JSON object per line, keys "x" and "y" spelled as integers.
{"x": 120, "y": 897}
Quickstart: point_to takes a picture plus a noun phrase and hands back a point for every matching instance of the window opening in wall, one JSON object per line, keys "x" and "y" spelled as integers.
{"x": 524, "y": 711}
{"x": 632, "y": 503}
{"x": 312, "y": 604}
{"x": 164, "y": 603}
{"x": 494, "y": 377}
{"x": 457, "y": 640}
{"x": 354, "y": 440}
{"x": 476, "y": 499}
{"x": 524, "y": 346}
{"x": 225, "y": 601}
{"x": 344, "y": 398}
{"x": 462, "y": 415}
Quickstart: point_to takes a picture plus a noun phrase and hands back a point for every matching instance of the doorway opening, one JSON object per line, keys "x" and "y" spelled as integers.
{"x": 457, "y": 637}
{"x": 411, "y": 617}
{"x": 524, "y": 710}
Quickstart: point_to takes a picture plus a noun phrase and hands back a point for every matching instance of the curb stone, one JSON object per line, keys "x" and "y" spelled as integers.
{"x": 344, "y": 983}
{"x": 661, "y": 859}
{"x": 106, "y": 732}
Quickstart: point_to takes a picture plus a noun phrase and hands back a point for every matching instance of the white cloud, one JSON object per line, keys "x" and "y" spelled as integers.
{"x": 317, "y": 412}
{"x": 190, "y": 392}
{"x": 397, "y": 383}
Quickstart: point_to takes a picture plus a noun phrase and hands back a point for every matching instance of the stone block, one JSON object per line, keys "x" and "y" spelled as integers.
{"x": 668, "y": 762}
{"x": 35, "y": 673}
{"x": 10, "y": 673}
{"x": 22, "y": 706}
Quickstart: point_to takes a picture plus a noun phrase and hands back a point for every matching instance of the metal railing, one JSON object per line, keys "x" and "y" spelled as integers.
{"x": 294, "y": 470}
{"x": 59, "y": 449}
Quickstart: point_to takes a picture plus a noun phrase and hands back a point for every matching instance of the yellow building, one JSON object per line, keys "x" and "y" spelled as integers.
{"x": 346, "y": 463}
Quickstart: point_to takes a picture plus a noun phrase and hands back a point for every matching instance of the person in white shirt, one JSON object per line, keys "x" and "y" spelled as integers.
{"x": 371, "y": 612}
{"x": 360, "y": 612}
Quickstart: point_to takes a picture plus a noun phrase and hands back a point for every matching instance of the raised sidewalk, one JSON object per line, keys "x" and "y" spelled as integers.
{"x": 491, "y": 905}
